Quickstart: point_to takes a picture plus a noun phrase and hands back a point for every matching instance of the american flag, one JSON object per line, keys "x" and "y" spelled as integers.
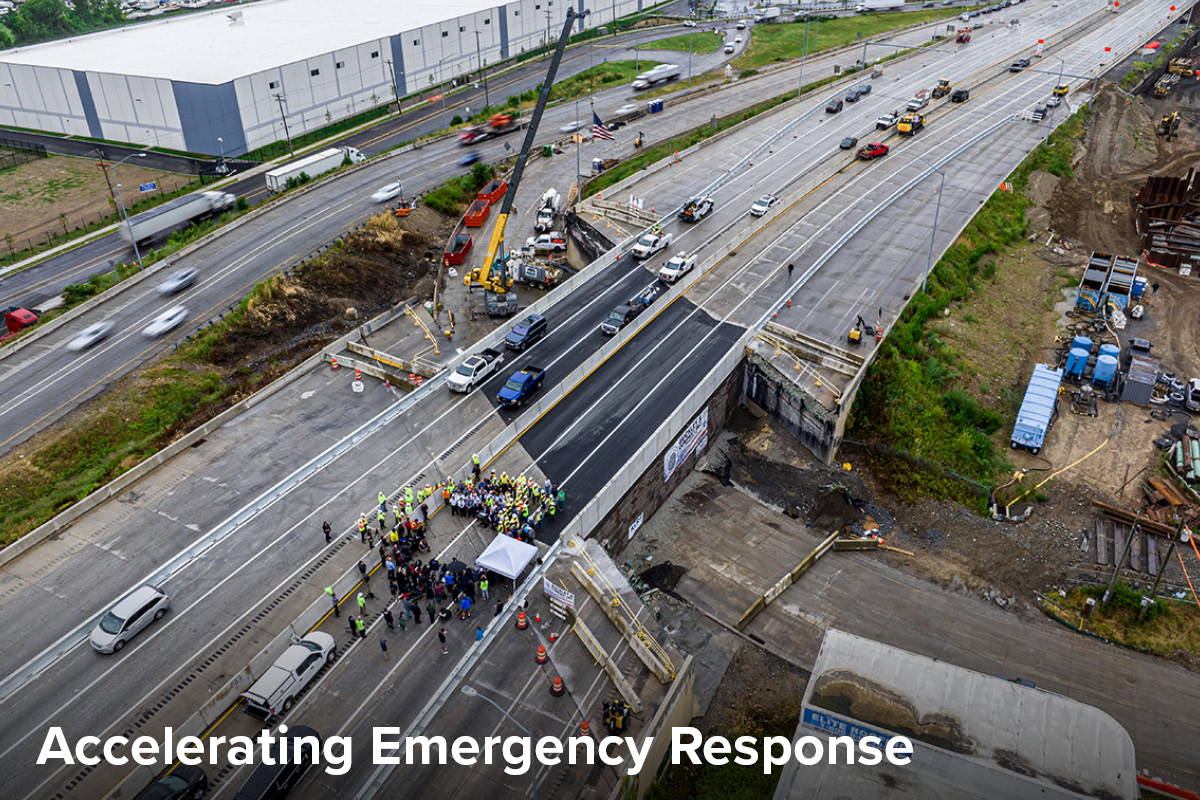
{"x": 600, "y": 130}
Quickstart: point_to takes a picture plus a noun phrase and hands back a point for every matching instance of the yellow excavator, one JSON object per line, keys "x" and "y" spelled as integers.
{"x": 493, "y": 273}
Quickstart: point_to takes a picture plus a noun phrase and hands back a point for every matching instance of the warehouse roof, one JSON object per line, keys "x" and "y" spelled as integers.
{"x": 976, "y": 736}
{"x": 206, "y": 47}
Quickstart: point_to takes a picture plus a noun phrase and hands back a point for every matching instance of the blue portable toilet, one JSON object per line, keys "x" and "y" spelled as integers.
{"x": 1106, "y": 370}
{"x": 1140, "y": 285}
{"x": 1077, "y": 361}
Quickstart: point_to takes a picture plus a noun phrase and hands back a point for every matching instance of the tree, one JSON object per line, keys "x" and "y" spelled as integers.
{"x": 7, "y": 38}
{"x": 43, "y": 20}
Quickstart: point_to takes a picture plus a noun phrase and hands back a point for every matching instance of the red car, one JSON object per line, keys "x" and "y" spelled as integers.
{"x": 873, "y": 150}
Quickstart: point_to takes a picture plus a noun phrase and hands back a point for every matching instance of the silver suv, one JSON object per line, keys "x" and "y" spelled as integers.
{"x": 127, "y": 618}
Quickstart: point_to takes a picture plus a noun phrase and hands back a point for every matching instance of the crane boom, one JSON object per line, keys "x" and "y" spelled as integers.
{"x": 491, "y": 274}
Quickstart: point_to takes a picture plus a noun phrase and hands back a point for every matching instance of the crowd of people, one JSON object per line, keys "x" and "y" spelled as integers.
{"x": 513, "y": 505}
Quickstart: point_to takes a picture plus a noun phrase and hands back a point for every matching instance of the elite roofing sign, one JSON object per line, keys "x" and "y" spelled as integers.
{"x": 693, "y": 439}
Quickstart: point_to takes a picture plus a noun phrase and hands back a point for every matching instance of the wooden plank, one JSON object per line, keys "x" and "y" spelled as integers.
{"x": 1118, "y": 541}
{"x": 1135, "y": 551}
{"x": 1152, "y": 555}
{"x": 1101, "y": 542}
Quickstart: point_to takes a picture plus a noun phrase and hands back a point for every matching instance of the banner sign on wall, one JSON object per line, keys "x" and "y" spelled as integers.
{"x": 693, "y": 439}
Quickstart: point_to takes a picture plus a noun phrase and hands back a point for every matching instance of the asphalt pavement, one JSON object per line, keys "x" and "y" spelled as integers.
{"x": 241, "y": 592}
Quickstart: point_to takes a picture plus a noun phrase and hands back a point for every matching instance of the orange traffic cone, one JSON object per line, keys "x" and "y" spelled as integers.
{"x": 522, "y": 623}
{"x": 333, "y": 362}
{"x": 552, "y": 637}
{"x": 537, "y": 617}
{"x": 556, "y": 687}
{"x": 585, "y": 729}
{"x": 541, "y": 654}
{"x": 357, "y": 374}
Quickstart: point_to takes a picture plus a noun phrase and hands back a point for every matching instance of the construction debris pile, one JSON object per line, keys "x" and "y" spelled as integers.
{"x": 1167, "y": 215}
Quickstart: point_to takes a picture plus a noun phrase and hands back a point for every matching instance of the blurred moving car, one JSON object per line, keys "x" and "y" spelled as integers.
{"x": 186, "y": 782}
{"x": 178, "y": 281}
{"x": 385, "y": 193}
{"x": 167, "y": 320}
{"x": 90, "y": 335}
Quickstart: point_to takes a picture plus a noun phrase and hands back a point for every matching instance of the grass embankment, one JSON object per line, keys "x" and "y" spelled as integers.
{"x": 785, "y": 41}
{"x": 453, "y": 196}
{"x": 587, "y": 82}
{"x": 700, "y": 42}
{"x": 1169, "y": 625}
{"x": 913, "y": 397}
{"x": 280, "y": 323}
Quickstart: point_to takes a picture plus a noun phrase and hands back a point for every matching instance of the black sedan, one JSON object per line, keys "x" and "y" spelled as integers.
{"x": 184, "y": 783}
{"x": 849, "y": 143}
{"x": 1019, "y": 65}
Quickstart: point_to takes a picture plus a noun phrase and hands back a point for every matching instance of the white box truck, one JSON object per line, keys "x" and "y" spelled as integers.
{"x": 312, "y": 166}
{"x": 159, "y": 223}
{"x": 879, "y": 5}
{"x": 660, "y": 74}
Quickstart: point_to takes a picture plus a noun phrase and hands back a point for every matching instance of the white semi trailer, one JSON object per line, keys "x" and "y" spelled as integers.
{"x": 312, "y": 166}
{"x": 159, "y": 223}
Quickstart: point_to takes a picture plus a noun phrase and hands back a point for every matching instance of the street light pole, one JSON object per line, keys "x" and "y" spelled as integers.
{"x": 1050, "y": 125}
{"x": 936, "y": 211}
{"x": 121, "y": 206}
{"x": 578, "y": 140}
{"x": 803, "y": 53}
{"x": 479, "y": 54}
{"x": 470, "y": 691}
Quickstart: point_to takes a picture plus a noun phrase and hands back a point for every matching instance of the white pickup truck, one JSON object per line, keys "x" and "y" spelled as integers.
{"x": 553, "y": 241}
{"x": 651, "y": 243}
{"x": 475, "y": 370}
{"x": 275, "y": 692}
{"x": 677, "y": 267}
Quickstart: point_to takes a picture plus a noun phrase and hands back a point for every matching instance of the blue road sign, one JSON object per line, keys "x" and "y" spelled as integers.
{"x": 148, "y": 187}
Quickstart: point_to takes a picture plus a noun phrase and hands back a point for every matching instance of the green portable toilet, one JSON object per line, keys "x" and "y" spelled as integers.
{"x": 547, "y": 151}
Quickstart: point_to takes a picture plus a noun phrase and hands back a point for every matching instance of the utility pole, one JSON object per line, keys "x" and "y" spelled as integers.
{"x": 1162, "y": 568}
{"x": 547, "y": 32}
{"x": 283, "y": 116}
{"x": 395, "y": 88}
{"x": 104, "y": 168}
{"x": 479, "y": 55}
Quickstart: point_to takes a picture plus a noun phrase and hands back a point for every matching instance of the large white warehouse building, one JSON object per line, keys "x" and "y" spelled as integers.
{"x": 236, "y": 74}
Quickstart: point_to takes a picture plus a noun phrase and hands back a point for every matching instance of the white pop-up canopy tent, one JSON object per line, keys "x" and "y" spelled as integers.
{"x": 507, "y": 556}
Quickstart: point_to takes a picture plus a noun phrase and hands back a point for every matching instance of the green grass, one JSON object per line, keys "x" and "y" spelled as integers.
{"x": 910, "y": 398}
{"x": 703, "y": 42}
{"x": 785, "y": 41}
{"x": 70, "y": 467}
{"x": 600, "y": 76}
{"x": 453, "y": 196}
{"x": 1168, "y": 625}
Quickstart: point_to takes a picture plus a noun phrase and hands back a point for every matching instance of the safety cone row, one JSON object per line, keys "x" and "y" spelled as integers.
{"x": 522, "y": 623}
{"x": 541, "y": 654}
{"x": 556, "y": 687}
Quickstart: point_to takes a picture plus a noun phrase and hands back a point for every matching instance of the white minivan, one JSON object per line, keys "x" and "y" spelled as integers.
{"x": 126, "y": 619}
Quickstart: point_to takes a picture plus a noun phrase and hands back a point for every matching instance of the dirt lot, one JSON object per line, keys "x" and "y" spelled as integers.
{"x": 33, "y": 195}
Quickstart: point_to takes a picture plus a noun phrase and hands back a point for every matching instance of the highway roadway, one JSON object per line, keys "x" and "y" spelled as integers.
{"x": 235, "y": 596}
{"x": 44, "y": 281}
{"x": 45, "y": 380}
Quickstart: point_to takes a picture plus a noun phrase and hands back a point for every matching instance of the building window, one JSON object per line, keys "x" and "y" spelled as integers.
{"x": 462, "y": 29}
{"x": 516, "y": 13}
{"x": 314, "y": 72}
{"x": 416, "y": 42}
{"x": 374, "y": 54}
{"x": 445, "y": 34}
{"x": 273, "y": 85}
{"x": 538, "y": 7}
{"x": 487, "y": 21}
{"x": 340, "y": 64}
